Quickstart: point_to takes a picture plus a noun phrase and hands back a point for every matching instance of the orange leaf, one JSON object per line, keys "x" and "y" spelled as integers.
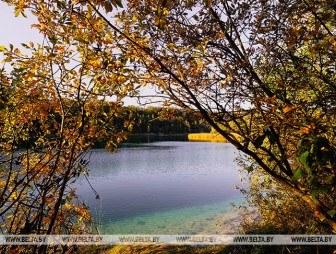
{"x": 288, "y": 109}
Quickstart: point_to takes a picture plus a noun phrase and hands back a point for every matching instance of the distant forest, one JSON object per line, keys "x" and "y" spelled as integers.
{"x": 157, "y": 120}
{"x": 128, "y": 120}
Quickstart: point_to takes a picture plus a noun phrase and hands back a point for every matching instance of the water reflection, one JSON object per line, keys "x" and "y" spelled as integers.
{"x": 158, "y": 178}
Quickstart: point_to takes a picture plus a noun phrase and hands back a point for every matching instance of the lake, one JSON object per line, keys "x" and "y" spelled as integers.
{"x": 168, "y": 187}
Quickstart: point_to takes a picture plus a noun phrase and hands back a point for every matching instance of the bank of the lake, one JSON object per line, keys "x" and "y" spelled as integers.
{"x": 206, "y": 137}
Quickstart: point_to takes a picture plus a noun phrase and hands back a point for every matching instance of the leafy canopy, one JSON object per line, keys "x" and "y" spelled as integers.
{"x": 262, "y": 73}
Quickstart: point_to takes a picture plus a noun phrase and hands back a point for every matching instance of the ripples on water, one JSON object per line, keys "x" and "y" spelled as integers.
{"x": 163, "y": 187}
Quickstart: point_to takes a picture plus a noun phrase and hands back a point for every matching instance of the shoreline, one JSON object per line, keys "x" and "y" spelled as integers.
{"x": 210, "y": 223}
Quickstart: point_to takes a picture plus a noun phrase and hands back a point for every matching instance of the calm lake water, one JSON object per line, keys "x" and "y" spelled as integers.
{"x": 163, "y": 187}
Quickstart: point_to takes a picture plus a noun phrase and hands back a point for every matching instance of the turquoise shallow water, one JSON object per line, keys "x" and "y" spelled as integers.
{"x": 163, "y": 188}
{"x": 192, "y": 220}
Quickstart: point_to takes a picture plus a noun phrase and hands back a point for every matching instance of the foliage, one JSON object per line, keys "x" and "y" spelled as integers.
{"x": 261, "y": 73}
{"x": 279, "y": 212}
{"x": 51, "y": 113}
{"x": 162, "y": 120}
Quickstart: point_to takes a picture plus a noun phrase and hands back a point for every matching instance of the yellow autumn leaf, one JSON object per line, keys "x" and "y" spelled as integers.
{"x": 170, "y": 46}
{"x": 17, "y": 11}
{"x": 288, "y": 108}
{"x": 165, "y": 11}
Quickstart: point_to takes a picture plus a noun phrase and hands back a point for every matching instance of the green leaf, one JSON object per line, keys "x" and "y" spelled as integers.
{"x": 53, "y": 39}
{"x": 304, "y": 160}
{"x": 250, "y": 168}
{"x": 332, "y": 213}
{"x": 25, "y": 45}
{"x": 298, "y": 174}
{"x": 303, "y": 157}
{"x": 312, "y": 180}
{"x": 322, "y": 217}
